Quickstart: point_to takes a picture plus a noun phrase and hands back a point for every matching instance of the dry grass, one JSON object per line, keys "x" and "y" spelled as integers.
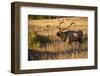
{"x": 52, "y": 47}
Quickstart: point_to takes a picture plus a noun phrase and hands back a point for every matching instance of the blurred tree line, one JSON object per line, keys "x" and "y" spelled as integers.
{"x": 41, "y": 17}
{"x": 49, "y": 17}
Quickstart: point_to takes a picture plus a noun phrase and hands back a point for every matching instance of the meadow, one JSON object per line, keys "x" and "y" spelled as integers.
{"x": 44, "y": 44}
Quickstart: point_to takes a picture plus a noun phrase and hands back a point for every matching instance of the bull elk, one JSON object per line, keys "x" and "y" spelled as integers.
{"x": 71, "y": 35}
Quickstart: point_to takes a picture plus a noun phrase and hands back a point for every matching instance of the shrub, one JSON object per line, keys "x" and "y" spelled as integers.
{"x": 32, "y": 42}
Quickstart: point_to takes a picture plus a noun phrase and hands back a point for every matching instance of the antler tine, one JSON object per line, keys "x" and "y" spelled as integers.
{"x": 73, "y": 23}
{"x": 61, "y": 21}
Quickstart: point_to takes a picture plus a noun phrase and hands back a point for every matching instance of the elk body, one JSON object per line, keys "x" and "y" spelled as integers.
{"x": 71, "y": 35}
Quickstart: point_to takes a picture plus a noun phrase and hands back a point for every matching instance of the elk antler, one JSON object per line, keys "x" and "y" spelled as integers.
{"x": 60, "y": 22}
{"x": 69, "y": 26}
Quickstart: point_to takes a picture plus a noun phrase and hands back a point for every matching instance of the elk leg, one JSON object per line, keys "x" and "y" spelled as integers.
{"x": 65, "y": 45}
{"x": 79, "y": 49}
{"x": 71, "y": 46}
